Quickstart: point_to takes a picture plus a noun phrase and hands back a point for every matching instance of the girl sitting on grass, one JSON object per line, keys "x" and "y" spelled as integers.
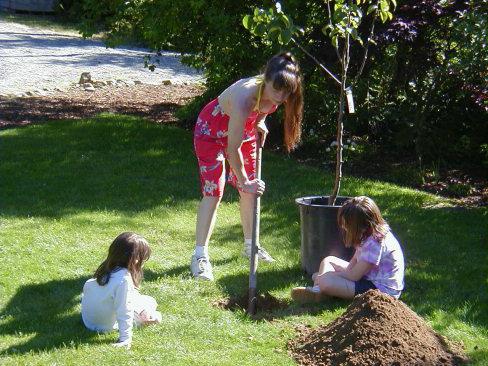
{"x": 377, "y": 262}
{"x": 111, "y": 299}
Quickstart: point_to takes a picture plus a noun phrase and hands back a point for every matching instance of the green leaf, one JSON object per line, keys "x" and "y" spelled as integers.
{"x": 354, "y": 33}
{"x": 335, "y": 42}
{"x": 260, "y": 29}
{"x": 394, "y": 3}
{"x": 285, "y": 37}
{"x": 371, "y": 9}
{"x": 327, "y": 29}
{"x": 372, "y": 41}
{"x": 285, "y": 19}
{"x": 245, "y": 21}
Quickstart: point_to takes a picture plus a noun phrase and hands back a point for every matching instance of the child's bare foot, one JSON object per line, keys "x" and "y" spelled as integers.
{"x": 307, "y": 295}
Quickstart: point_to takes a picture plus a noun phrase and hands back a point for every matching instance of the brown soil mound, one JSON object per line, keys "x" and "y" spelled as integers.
{"x": 265, "y": 303}
{"x": 376, "y": 329}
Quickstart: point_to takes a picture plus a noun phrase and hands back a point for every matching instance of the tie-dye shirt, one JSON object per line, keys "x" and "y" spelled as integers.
{"x": 387, "y": 257}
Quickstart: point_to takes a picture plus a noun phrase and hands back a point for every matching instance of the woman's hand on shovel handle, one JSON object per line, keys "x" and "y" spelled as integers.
{"x": 255, "y": 186}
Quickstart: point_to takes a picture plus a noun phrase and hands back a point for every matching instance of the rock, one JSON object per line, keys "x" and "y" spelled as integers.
{"x": 167, "y": 82}
{"x": 40, "y": 92}
{"x": 89, "y": 87}
{"x": 137, "y": 82}
{"x": 85, "y": 78}
{"x": 99, "y": 84}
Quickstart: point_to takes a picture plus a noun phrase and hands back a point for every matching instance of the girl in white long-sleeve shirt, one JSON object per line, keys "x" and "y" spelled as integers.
{"x": 111, "y": 299}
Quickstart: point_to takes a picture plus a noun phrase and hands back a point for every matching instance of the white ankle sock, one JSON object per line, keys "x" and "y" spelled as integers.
{"x": 201, "y": 251}
{"x": 247, "y": 242}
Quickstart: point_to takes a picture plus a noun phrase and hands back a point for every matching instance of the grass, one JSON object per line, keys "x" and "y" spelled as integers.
{"x": 67, "y": 188}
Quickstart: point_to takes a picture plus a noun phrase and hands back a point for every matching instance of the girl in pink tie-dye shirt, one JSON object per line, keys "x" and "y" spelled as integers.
{"x": 377, "y": 263}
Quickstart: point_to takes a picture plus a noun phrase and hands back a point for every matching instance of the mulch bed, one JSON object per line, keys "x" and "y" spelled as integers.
{"x": 376, "y": 329}
{"x": 155, "y": 102}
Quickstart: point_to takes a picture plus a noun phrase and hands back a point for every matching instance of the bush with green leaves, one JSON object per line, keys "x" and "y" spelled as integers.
{"x": 422, "y": 98}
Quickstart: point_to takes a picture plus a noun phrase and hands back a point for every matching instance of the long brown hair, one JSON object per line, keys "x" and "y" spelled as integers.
{"x": 128, "y": 250}
{"x": 360, "y": 218}
{"x": 283, "y": 72}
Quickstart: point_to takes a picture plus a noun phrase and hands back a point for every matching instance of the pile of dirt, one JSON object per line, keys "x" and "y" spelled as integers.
{"x": 265, "y": 303}
{"x": 376, "y": 329}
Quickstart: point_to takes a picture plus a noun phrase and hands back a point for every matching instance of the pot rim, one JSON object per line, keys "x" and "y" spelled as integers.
{"x": 301, "y": 201}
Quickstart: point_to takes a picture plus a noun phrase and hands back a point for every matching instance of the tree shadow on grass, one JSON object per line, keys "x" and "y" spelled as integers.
{"x": 181, "y": 271}
{"x": 43, "y": 313}
{"x": 109, "y": 163}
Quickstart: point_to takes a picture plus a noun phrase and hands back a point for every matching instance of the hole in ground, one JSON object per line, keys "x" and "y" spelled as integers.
{"x": 265, "y": 303}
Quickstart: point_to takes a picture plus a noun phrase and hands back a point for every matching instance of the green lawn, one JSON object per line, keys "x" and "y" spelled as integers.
{"x": 67, "y": 188}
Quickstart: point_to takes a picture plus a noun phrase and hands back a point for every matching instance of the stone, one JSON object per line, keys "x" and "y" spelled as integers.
{"x": 85, "y": 78}
{"x": 99, "y": 84}
{"x": 89, "y": 87}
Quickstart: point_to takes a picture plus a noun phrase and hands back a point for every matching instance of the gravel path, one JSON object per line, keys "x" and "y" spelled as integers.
{"x": 40, "y": 61}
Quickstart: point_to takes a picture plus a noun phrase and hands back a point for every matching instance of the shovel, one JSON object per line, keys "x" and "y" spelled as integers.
{"x": 251, "y": 309}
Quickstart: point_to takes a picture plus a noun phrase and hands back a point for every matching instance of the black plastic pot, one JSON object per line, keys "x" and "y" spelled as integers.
{"x": 320, "y": 232}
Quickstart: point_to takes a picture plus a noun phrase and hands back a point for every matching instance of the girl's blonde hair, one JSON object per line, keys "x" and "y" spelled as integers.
{"x": 128, "y": 250}
{"x": 360, "y": 218}
{"x": 283, "y": 72}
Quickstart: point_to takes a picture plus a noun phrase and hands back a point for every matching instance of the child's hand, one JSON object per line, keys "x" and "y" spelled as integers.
{"x": 125, "y": 344}
{"x": 148, "y": 319}
{"x": 337, "y": 268}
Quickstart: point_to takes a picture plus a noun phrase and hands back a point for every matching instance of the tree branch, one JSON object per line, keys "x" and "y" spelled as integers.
{"x": 330, "y": 23}
{"x": 316, "y": 61}
{"x": 365, "y": 57}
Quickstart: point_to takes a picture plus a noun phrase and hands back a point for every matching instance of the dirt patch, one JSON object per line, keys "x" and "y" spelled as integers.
{"x": 155, "y": 102}
{"x": 376, "y": 329}
{"x": 265, "y": 303}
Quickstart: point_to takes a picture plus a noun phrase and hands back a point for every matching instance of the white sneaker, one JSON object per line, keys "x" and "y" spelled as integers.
{"x": 263, "y": 255}
{"x": 201, "y": 268}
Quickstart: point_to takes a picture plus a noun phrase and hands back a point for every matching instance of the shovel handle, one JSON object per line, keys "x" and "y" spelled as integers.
{"x": 251, "y": 310}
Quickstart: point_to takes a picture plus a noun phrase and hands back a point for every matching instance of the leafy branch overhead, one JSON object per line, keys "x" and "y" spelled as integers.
{"x": 273, "y": 25}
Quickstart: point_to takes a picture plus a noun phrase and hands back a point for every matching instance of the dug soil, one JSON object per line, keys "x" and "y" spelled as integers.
{"x": 265, "y": 303}
{"x": 376, "y": 329}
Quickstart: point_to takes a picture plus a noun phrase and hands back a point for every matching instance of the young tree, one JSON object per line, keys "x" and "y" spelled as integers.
{"x": 342, "y": 27}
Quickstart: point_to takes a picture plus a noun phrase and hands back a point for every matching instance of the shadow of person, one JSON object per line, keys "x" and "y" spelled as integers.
{"x": 43, "y": 314}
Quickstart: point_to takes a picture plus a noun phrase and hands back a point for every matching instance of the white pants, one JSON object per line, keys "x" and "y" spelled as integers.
{"x": 145, "y": 310}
